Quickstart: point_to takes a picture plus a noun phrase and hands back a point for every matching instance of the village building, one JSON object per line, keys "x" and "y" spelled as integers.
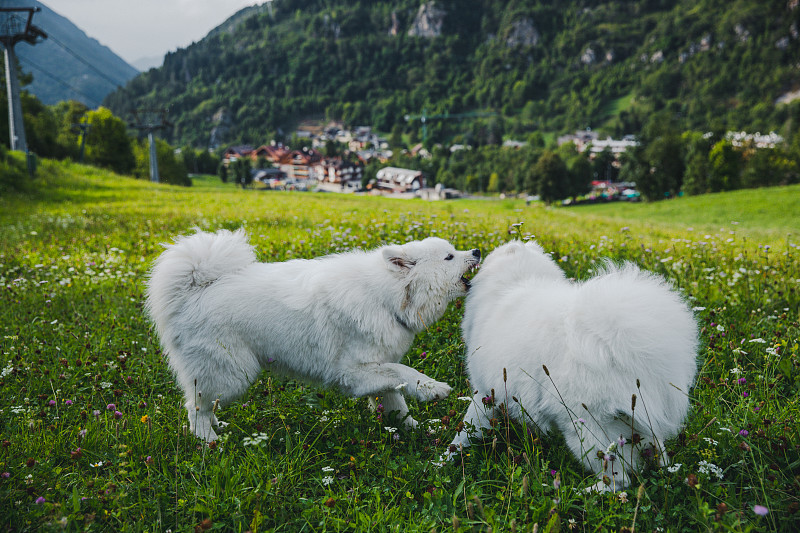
{"x": 273, "y": 152}
{"x": 757, "y": 140}
{"x": 234, "y": 153}
{"x": 297, "y": 163}
{"x": 337, "y": 171}
{"x": 589, "y": 140}
{"x": 396, "y": 179}
{"x": 580, "y": 139}
{"x": 614, "y": 145}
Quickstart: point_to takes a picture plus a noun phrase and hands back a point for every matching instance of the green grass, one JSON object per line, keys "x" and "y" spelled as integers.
{"x": 769, "y": 216}
{"x": 74, "y": 252}
{"x": 614, "y": 107}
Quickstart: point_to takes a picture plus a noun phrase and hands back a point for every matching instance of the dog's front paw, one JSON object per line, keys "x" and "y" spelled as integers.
{"x": 410, "y": 423}
{"x": 432, "y": 390}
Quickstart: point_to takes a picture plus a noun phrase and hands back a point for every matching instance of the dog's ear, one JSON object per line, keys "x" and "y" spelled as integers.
{"x": 396, "y": 260}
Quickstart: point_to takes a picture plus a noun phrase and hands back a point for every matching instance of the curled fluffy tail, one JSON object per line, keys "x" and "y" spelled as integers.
{"x": 194, "y": 261}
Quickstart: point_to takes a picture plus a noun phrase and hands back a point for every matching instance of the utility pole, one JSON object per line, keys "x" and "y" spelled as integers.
{"x": 149, "y": 121}
{"x": 15, "y": 26}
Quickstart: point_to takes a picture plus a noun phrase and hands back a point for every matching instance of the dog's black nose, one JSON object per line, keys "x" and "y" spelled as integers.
{"x": 476, "y": 253}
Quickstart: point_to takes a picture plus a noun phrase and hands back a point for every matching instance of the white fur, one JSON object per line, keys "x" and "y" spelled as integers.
{"x": 596, "y": 338}
{"x": 342, "y": 320}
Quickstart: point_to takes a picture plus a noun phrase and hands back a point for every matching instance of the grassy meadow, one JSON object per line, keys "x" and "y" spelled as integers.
{"x": 93, "y": 435}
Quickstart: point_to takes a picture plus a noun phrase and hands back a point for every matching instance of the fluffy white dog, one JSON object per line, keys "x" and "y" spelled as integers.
{"x": 342, "y": 320}
{"x": 619, "y": 334}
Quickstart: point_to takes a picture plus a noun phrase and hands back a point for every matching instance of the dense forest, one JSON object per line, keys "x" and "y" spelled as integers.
{"x": 534, "y": 65}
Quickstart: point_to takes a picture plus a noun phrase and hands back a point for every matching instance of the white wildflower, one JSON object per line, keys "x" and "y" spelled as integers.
{"x": 256, "y": 439}
{"x": 704, "y": 467}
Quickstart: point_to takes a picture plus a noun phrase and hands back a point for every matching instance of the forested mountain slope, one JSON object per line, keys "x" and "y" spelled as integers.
{"x": 538, "y": 65}
{"x": 69, "y": 59}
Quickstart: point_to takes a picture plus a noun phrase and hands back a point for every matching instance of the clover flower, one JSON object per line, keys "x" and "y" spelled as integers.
{"x": 760, "y": 510}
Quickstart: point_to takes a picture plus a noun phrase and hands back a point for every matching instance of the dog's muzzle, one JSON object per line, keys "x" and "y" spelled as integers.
{"x": 474, "y": 264}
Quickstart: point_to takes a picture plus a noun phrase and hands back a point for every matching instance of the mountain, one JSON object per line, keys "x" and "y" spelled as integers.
{"x": 69, "y": 65}
{"x": 534, "y": 65}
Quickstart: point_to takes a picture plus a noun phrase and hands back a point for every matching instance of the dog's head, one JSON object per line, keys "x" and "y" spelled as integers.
{"x": 517, "y": 260}
{"x": 432, "y": 272}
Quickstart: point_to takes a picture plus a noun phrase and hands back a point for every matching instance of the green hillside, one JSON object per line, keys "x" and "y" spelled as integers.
{"x": 537, "y": 65}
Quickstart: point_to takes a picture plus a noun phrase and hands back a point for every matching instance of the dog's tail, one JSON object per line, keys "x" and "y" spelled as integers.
{"x": 194, "y": 262}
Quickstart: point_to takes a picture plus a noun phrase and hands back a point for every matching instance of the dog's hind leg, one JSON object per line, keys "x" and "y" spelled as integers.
{"x": 201, "y": 420}
{"x": 478, "y": 418}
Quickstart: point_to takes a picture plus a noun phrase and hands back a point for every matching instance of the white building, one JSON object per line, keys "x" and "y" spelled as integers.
{"x": 400, "y": 179}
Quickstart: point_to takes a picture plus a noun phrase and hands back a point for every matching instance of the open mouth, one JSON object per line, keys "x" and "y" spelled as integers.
{"x": 470, "y": 272}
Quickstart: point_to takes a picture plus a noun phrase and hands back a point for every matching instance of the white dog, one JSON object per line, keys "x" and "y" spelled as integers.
{"x": 619, "y": 334}
{"x": 342, "y": 320}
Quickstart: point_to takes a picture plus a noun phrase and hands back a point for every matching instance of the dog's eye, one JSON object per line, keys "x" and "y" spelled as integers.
{"x": 449, "y": 257}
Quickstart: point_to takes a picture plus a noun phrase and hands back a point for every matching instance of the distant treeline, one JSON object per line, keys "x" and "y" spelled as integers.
{"x": 667, "y": 162}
